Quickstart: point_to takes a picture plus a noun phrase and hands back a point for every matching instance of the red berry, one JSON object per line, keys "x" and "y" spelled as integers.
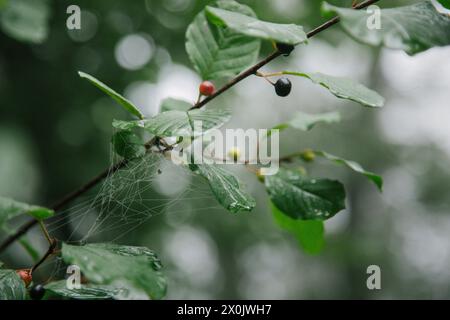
{"x": 25, "y": 275}
{"x": 207, "y": 88}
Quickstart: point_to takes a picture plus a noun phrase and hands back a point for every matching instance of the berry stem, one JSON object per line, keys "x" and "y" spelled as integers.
{"x": 51, "y": 249}
{"x": 262, "y": 75}
{"x": 198, "y": 98}
{"x": 272, "y": 74}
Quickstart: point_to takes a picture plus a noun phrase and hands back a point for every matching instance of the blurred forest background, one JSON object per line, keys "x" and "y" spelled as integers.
{"x": 55, "y": 132}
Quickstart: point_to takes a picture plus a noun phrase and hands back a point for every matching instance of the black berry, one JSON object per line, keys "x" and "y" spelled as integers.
{"x": 284, "y": 48}
{"x": 37, "y": 292}
{"x": 283, "y": 87}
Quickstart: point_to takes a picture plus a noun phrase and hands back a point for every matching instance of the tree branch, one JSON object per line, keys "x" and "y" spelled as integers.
{"x": 252, "y": 70}
{"x": 62, "y": 203}
{"x": 50, "y": 251}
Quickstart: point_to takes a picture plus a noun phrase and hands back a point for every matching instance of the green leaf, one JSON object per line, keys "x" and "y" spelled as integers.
{"x": 344, "y": 88}
{"x": 128, "y": 125}
{"x": 11, "y": 286}
{"x": 125, "y": 103}
{"x": 128, "y": 145}
{"x": 306, "y": 121}
{"x": 40, "y": 213}
{"x": 171, "y": 104}
{"x": 110, "y": 264}
{"x": 26, "y": 20}
{"x": 181, "y": 123}
{"x": 376, "y": 179}
{"x": 309, "y": 233}
{"x": 445, "y": 3}
{"x": 177, "y": 122}
{"x": 10, "y": 208}
{"x": 220, "y": 52}
{"x": 252, "y": 27}
{"x": 413, "y": 28}
{"x": 225, "y": 187}
{"x": 86, "y": 292}
{"x": 303, "y": 198}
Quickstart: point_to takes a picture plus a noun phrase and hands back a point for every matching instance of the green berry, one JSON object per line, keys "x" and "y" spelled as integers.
{"x": 260, "y": 176}
{"x": 235, "y": 154}
{"x": 308, "y": 155}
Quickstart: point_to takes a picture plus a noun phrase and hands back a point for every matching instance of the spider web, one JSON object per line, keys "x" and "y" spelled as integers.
{"x": 127, "y": 199}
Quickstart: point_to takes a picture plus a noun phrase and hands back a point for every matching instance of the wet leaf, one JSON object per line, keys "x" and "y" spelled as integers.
{"x": 86, "y": 292}
{"x": 414, "y": 28}
{"x": 124, "y": 266}
{"x": 171, "y": 104}
{"x": 306, "y": 121}
{"x": 225, "y": 187}
{"x": 376, "y": 179}
{"x": 11, "y": 286}
{"x": 344, "y": 88}
{"x": 252, "y": 27}
{"x": 10, "y": 208}
{"x": 182, "y": 123}
{"x": 127, "y": 144}
{"x": 218, "y": 52}
{"x": 303, "y": 198}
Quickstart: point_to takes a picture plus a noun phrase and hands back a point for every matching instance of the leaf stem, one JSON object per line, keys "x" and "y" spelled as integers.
{"x": 199, "y": 98}
{"x": 45, "y": 231}
{"x": 265, "y": 76}
{"x": 272, "y": 74}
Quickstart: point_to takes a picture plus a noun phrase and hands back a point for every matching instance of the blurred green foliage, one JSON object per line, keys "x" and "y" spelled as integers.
{"x": 55, "y": 133}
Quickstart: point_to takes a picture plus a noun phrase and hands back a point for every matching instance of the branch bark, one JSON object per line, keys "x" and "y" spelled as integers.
{"x": 251, "y": 71}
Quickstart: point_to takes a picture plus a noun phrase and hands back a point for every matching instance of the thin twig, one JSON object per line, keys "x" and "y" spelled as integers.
{"x": 251, "y": 71}
{"x": 69, "y": 198}
{"x": 45, "y": 232}
{"x": 63, "y": 202}
{"x": 290, "y": 157}
{"x": 49, "y": 252}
